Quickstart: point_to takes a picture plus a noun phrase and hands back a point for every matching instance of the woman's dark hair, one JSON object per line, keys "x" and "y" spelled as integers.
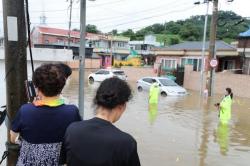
{"x": 229, "y": 90}
{"x": 49, "y": 79}
{"x": 112, "y": 92}
{"x": 65, "y": 69}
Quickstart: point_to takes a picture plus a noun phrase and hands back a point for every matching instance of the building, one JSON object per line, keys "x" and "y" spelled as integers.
{"x": 244, "y": 50}
{"x": 145, "y": 48}
{"x": 55, "y": 38}
{"x": 105, "y": 47}
{"x": 110, "y": 48}
{"x": 190, "y": 53}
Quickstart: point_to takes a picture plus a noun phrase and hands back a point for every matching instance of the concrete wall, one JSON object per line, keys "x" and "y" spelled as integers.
{"x": 246, "y": 68}
{"x": 40, "y": 56}
{"x": 46, "y": 54}
{"x": 239, "y": 83}
{"x": 89, "y": 64}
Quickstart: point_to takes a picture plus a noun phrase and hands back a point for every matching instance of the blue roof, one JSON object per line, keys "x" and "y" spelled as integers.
{"x": 245, "y": 34}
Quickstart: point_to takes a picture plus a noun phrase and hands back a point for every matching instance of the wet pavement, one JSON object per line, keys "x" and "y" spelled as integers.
{"x": 184, "y": 131}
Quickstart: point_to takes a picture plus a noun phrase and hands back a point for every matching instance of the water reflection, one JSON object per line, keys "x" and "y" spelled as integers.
{"x": 153, "y": 112}
{"x": 182, "y": 130}
{"x": 222, "y": 137}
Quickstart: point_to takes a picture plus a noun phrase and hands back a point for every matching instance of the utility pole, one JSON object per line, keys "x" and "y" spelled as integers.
{"x": 15, "y": 65}
{"x": 70, "y": 15}
{"x": 212, "y": 49}
{"x": 82, "y": 55}
{"x": 203, "y": 47}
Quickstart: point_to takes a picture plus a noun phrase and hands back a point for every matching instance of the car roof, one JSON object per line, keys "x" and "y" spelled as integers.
{"x": 156, "y": 78}
{"x": 112, "y": 70}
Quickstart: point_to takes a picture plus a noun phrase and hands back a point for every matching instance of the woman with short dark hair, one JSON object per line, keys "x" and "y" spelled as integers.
{"x": 42, "y": 124}
{"x": 97, "y": 142}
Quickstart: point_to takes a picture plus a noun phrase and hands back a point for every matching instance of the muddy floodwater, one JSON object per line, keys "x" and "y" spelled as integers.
{"x": 184, "y": 132}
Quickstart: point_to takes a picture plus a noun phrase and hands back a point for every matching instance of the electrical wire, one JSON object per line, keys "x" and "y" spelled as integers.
{"x": 172, "y": 4}
{"x": 29, "y": 37}
{"x": 146, "y": 18}
{"x": 63, "y": 10}
{"x": 108, "y": 22}
{"x": 142, "y": 11}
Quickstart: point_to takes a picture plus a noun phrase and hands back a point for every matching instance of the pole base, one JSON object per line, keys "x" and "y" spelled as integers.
{"x": 13, "y": 153}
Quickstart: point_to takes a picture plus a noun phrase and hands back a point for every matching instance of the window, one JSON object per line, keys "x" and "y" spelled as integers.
{"x": 59, "y": 40}
{"x": 170, "y": 64}
{"x": 100, "y": 72}
{"x": 137, "y": 47}
{"x": 105, "y": 72}
{"x": 166, "y": 82}
{"x": 119, "y": 73}
{"x": 121, "y": 44}
{"x": 228, "y": 64}
{"x": 195, "y": 62}
{"x": 148, "y": 80}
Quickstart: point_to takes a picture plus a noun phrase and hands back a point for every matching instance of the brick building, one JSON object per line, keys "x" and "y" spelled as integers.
{"x": 102, "y": 45}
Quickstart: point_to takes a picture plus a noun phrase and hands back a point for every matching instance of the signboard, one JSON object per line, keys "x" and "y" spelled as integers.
{"x": 12, "y": 28}
{"x": 213, "y": 63}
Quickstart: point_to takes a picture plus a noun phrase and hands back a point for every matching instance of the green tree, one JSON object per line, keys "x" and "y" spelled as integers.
{"x": 229, "y": 27}
{"x": 114, "y": 32}
{"x": 129, "y": 33}
{"x": 172, "y": 27}
{"x": 190, "y": 32}
{"x": 157, "y": 28}
{"x": 92, "y": 29}
{"x": 174, "y": 40}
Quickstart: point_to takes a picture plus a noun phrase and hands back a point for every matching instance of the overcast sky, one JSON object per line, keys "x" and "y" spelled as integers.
{"x": 123, "y": 14}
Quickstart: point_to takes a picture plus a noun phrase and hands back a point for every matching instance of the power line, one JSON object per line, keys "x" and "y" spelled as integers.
{"x": 146, "y": 18}
{"x": 132, "y": 14}
{"x": 127, "y": 15}
{"x": 110, "y": 18}
{"x": 109, "y": 21}
{"x": 62, "y": 10}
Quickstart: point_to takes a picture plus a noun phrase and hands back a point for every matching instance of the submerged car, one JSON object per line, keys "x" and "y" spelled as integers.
{"x": 103, "y": 74}
{"x": 167, "y": 86}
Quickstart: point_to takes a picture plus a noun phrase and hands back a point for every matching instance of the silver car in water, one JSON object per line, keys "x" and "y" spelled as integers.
{"x": 167, "y": 86}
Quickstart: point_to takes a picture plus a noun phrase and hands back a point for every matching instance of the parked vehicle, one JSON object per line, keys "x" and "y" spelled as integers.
{"x": 167, "y": 86}
{"x": 103, "y": 74}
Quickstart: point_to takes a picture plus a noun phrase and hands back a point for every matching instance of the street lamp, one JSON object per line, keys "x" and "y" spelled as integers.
{"x": 82, "y": 55}
{"x": 203, "y": 46}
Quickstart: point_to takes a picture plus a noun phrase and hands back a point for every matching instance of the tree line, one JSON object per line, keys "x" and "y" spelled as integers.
{"x": 229, "y": 26}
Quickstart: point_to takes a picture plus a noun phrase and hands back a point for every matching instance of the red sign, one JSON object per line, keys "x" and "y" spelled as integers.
{"x": 213, "y": 63}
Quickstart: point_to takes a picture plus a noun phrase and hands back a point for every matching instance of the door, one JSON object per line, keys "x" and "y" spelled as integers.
{"x": 106, "y": 74}
{"x": 147, "y": 83}
{"x": 99, "y": 75}
{"x": 228, "y": 64}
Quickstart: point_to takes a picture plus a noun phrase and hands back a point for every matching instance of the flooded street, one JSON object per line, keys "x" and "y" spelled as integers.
{"x": 185, "y": 130}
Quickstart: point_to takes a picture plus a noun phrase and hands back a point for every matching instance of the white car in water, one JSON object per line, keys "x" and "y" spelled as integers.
{"x": 103, "y": 74}
{"x": 167, "y": 86}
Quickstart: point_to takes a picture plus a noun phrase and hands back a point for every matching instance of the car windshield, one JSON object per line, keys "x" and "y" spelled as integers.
{"x": 118, "y": 72}
{"x": 166, "y": 82}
